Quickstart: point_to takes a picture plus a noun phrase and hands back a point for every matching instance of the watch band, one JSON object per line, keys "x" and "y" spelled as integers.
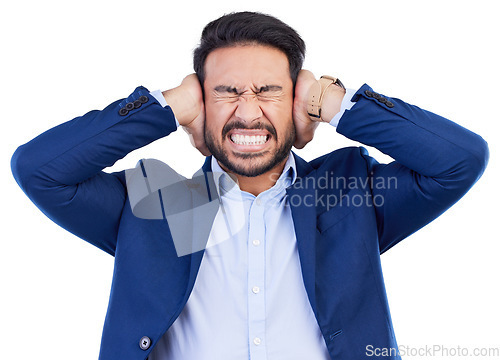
{"x": 317, "y": 94}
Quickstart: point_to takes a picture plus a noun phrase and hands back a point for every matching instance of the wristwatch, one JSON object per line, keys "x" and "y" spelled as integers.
{"x": 316, "y": 96}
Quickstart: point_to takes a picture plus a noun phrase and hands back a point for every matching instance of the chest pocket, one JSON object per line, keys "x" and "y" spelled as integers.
{"x": 333, "y": 216}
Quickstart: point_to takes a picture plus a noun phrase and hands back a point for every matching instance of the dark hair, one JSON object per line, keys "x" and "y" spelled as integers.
{"x": 241, "y": 28}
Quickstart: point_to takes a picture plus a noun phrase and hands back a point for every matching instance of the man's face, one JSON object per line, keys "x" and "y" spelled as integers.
{"x": 248, "y": 103}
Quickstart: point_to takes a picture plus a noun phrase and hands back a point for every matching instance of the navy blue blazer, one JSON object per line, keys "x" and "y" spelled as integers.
{"x": 347, "y": 210}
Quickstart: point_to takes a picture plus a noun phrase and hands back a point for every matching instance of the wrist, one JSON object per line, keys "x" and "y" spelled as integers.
{"x": 183, "y": 105}
{"x": 325, "y": 98}
{"x": 332, "y": 101}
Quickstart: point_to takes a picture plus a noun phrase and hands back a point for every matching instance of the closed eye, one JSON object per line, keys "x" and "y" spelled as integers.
{"x": 270, "y": 92}
{"x": 225, "y": 92}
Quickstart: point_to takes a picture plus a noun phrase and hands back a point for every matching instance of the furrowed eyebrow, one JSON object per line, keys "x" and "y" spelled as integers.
{"x": 229, "y": 89}
{"x": 270, "y": 88}
{"x": 225, "y": 88}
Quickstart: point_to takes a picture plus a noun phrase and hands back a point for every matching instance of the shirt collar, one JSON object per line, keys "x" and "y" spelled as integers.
{"x": 225, "y": 184}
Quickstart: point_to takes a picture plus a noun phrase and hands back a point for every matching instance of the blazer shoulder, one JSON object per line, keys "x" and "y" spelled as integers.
{"x": 350, "y": 156}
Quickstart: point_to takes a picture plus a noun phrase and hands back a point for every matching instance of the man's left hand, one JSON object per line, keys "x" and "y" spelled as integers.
{"x": 305, "y": 125}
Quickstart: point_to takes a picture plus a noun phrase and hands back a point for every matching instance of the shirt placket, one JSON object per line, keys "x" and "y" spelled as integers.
{"x": 256, "y": 281}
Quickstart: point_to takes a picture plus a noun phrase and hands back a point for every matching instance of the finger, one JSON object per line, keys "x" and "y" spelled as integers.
{"x": 197, "y": 139}
{"x": 299, "y": 144}
{"x": 204, "y": 150}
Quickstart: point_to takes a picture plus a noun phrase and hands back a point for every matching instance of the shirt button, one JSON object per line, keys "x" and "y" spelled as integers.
{"x": 257, "y": 341}
{"x": 256, "y": 242}
{"x": 258, "y": 201}
{"x": 145, "y": 343}
{"x": 255, "y": 290}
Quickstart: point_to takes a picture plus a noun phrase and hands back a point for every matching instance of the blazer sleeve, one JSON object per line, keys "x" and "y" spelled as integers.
{"x": 61, "y": 169}
{"x": 436, "y": 161}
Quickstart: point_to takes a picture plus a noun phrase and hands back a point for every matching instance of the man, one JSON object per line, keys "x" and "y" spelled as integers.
{"x": 299, "y": 276}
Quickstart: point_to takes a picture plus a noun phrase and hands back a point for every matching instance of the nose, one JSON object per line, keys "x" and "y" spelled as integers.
{"x": 248, "y": 108}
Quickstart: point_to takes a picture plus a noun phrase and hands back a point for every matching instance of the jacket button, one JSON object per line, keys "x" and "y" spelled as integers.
{"x": 129, "y": 106}
{"x": 145, "y": 343}
{"x": 389, "y": 104}
{"x": 143, "y": 99}
{"x": 137, "y": 104}
{"x": 368, "y": 93}
{"x": 123, "y": 111}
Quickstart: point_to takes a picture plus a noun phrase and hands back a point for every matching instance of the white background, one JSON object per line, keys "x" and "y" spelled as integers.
{"x": 61, "y": 59}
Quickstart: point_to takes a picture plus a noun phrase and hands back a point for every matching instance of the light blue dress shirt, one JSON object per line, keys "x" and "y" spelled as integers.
{"x": 249, "y": 299}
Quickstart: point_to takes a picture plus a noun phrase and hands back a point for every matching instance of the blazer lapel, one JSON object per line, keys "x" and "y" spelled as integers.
{"x": 301, "y": 200}
{"x": 197, "y": 256}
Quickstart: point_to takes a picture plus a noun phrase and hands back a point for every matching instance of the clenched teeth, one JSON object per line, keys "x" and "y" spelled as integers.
{"x": 248, "y": 139}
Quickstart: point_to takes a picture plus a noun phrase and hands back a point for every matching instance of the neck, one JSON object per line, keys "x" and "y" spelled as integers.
{"x": 257, "y": 184}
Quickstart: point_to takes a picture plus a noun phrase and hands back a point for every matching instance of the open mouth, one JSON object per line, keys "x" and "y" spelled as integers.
{"x": 239, "y": 139}
{"x": 249, "y": 140}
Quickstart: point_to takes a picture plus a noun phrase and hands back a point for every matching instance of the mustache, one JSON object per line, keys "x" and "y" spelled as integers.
{"x": 241, "y": 125}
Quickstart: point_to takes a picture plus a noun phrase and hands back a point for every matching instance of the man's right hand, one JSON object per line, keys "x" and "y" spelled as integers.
{"x": 186, "y": 102}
